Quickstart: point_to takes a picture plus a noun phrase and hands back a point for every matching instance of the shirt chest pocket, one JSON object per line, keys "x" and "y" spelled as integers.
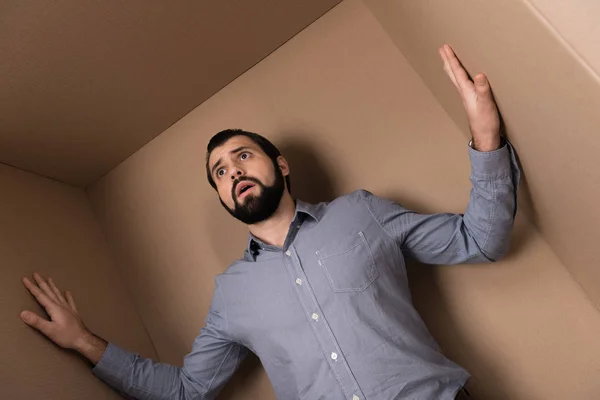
{"x": 348, "y": 264}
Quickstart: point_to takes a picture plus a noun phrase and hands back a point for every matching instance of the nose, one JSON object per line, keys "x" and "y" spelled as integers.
{"x": 235, "y": 174}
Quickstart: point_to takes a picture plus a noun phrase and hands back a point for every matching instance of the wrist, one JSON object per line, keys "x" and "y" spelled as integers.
{"x": 83, "y": 341}
{"x": 91, "y": 347}
{"x": 486, "y": 145}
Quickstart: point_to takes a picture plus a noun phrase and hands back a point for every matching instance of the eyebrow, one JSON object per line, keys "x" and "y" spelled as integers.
{"x": 220, "y": 160}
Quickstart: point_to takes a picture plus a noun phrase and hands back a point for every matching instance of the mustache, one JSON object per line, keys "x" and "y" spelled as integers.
{"x": 241, "y": 179}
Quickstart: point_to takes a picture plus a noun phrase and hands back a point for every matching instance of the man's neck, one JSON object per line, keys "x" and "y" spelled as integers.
{"x": 274, "y": 230}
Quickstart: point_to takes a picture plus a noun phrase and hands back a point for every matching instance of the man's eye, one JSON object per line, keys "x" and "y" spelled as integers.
{"x": 221, "y": 172}
{"x": 243, "y": 156}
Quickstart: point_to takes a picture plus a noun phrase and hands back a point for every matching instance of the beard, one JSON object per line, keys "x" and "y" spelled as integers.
{"x": 257, "y": 207}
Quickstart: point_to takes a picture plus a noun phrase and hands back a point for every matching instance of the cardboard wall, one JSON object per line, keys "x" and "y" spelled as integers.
{"x": 86, "y": 84}
{"x": 575, "y": 23}
{"x": 348, "y": 111}
{"x": 49, "y": 227}
{"x": 548, "y": 96}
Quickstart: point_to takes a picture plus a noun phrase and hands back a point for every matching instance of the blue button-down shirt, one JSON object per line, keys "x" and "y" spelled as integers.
{"x": 330, "y": 314}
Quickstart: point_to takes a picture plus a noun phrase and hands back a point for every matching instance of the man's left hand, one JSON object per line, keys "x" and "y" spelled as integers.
{"x": 478, "y": 101}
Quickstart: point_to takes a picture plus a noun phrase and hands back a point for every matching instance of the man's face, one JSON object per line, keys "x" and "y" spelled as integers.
{"x": 249, "y": 185}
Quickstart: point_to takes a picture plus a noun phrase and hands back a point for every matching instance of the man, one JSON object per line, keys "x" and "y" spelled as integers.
{"x": 321, "y": 294}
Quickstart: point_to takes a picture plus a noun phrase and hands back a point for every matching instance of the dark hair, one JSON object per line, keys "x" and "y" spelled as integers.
{"x": 221, "y": 137}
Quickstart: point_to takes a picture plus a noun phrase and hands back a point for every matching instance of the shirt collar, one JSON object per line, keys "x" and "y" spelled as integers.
{"x": 313, "y": 210}
{"x": 303, "y": 210}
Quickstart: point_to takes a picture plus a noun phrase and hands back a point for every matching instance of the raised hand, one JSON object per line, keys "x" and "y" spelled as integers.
{"x": 478, "y": 101}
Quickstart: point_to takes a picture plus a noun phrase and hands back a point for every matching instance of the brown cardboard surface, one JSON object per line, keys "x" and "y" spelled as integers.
{"x": 86, "y": 84}
{"x": 348, "y": 111}
{"x": 49, "y": 227}
{"x": 576, "y": 22}
{"x": 548, "y": 99}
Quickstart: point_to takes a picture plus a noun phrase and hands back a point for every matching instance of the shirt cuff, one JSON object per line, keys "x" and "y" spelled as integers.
{"x": 113, "y": 365}
{"x": 494, "y": 163}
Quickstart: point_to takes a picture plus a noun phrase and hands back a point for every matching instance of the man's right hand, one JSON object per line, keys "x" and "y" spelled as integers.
{"x": 66, "y": 327}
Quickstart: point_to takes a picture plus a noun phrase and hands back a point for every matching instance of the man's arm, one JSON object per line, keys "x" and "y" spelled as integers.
{"x": 213, "y": 360}
{"x": 483, "y": 232}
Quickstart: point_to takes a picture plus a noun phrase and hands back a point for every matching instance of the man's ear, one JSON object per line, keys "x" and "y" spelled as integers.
{"x": 283, "y": 165}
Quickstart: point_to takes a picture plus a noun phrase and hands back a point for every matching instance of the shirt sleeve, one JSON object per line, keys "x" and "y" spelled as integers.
{"x": 212, "y": 361}
{"x": 481, "y": 234}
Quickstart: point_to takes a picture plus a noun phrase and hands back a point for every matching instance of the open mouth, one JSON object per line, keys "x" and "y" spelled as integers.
{"x": 243, "y": 188}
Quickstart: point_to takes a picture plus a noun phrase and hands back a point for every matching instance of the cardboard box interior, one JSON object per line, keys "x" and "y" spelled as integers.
{"x": 358, "y": 99}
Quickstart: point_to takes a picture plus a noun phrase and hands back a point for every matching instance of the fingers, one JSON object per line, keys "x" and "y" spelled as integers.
{"x": 71, "y": 301}
{"x": 462, "y": 78}
{"x": 447, "y": 68}
{"x": 44, "y": 286}
{"x": 36, "y": 322}
{"x": 39, "y": 295}
{"x": 56, "y": 291}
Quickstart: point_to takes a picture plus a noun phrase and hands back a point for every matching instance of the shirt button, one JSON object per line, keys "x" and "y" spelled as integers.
{"x": 334, "y": 356}
{"x": 315, "y": 316}
{"x": 288, "y": 253}
{"x": 355, "y": 397}
{"x": 299, "y": 281}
